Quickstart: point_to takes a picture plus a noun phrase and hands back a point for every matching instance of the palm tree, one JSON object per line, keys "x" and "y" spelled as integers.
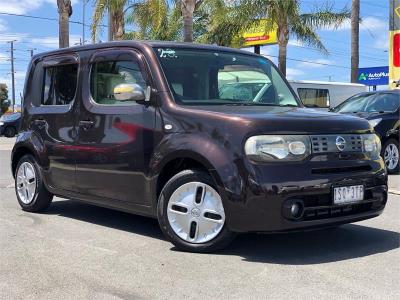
{"x": 64, "y": 12}
{"x": 116, "y": 12}
{"x": 188, "y": 7}
{"x": 290, "y": 21}
{"x": 355, "y": 33}
{"x": 155, "y": 20}
{"x": 219, "y": 22}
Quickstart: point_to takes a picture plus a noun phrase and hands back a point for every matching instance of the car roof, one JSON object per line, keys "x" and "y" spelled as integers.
{"x": 381, "y": 92}
{"x": 147, "y": 44}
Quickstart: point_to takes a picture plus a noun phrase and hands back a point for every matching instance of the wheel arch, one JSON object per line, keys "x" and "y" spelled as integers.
{"x": 183, "y": 160}
{"x": 28, "y": 143}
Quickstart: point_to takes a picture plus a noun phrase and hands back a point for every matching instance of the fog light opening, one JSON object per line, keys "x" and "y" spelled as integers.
{"x": 296, "y": 210}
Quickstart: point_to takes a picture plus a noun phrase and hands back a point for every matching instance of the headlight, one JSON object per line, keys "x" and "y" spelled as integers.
{"x": 372, "y": 145}
{"x": 278, "y": 147}
{"x": 374, "y": 122}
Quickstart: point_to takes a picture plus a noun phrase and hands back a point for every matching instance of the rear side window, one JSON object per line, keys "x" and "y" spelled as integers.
{"x": 60, "y": 83}
{"x": 314, "y": 97}
{"x": 106, "y": 75}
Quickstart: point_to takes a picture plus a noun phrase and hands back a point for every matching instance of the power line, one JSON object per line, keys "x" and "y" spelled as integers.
{"x": 308, "y": 61}
{"x": 45, "y": 18}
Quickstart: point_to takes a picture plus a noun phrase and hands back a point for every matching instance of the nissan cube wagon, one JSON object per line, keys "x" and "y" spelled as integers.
{"x": 211, "y": 141}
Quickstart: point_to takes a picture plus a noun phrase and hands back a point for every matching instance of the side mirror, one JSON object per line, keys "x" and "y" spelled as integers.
{"x": 129, "y": 92}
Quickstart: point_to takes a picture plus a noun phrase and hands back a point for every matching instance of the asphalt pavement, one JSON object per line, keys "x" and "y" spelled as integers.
{"x": 79, "y": 251}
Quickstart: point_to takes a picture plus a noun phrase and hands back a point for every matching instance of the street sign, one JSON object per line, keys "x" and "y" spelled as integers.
{"x": 373, "y": 76}
{"x": 259, "y": 35}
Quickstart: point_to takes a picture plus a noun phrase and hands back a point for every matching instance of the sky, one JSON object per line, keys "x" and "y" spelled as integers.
{"x": 304, "y": 62}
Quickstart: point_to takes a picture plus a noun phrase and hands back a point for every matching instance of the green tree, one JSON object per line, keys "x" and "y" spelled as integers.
{"x": 116, "y": 10}
{"x": 188, "y": 8}
{"x": 292, "y": 22}
{"x": 4, "y": 102}
{"x": 64, "y": 13}
{"x": 155, "y": 20}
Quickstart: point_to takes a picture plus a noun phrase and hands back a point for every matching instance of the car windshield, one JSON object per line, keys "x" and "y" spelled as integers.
{"x": 223, "y": 78}
{"x": 385, "y": 102}
{"x": 10, "y": 117}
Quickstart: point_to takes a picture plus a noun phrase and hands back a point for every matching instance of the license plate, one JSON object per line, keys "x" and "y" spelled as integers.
{"x": 347, "y": 194}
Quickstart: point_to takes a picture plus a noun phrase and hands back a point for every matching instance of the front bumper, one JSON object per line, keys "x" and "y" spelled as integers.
{"x": 269, "y": 190}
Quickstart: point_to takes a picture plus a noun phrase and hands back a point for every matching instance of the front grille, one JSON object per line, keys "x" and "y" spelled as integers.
{"x": 327, "y": 143}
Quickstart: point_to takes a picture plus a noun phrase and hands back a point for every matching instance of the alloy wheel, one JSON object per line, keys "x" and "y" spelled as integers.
{"x": 26, "y": 182}
{"x": 391, "y": 156}
{"x": 195, "y": 212}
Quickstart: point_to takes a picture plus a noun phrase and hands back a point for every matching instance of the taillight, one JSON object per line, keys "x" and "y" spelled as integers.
{"x": 396, "y": 50}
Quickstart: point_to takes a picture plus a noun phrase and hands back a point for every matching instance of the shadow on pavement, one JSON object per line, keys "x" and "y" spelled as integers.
{"x": 300, "y": 248}
{"x": 106, "y": 217}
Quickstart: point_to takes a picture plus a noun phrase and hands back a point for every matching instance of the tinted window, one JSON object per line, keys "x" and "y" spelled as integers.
{"x": 314, "y": 97}
{"x": 219, "y": 78}
{"x": 59, "y": 85}
{"x": 370, "y": 103}
{"x": 384, "y": 102}
{"x": 105, "y": 76}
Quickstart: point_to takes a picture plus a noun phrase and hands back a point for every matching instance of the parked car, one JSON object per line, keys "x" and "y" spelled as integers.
{"x": 382, "y": 110}
{"x": 143, "y": 127}
{"x": 9, "y": 124}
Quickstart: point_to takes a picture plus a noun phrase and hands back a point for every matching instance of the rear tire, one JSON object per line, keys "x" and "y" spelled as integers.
{"x": 10, "y": 132}
{"x": 31, "y": 193}
{"x": 191, "y": 215}
{"x": 390, "y": 154}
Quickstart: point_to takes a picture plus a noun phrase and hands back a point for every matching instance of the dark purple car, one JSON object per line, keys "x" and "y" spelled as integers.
{"x": 165, "y": 130}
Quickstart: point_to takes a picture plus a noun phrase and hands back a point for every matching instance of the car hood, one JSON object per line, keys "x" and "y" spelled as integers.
{"x": 273, "y": 119}
{"x": 364, "y": 115}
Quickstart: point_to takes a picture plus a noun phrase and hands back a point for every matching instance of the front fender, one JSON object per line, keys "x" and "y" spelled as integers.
{"x": 211, "y": 153}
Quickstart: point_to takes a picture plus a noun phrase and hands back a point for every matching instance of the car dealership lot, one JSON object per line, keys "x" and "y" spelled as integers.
{"x": 80, "y": 251}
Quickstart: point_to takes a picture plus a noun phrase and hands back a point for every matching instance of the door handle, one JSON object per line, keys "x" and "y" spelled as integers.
{"x": 86, "y": 124}
{"x": 39, "y": 122}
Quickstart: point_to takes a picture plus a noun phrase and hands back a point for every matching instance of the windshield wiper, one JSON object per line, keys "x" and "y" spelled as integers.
{"x": 259, "y": 104}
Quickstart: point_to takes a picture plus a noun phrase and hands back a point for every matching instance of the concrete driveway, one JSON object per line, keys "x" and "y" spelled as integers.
{"x": 78, "y": 251}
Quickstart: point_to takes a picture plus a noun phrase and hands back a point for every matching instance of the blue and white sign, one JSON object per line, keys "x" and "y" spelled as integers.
{"x": 373, "y": 76}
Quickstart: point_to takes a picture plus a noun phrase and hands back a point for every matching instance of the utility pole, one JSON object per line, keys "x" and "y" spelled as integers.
{"x": 355, "y": 39}
{"x": 12, "y": 75}
{"x": 31, "y": 51}
{"x": 83, "y": 22}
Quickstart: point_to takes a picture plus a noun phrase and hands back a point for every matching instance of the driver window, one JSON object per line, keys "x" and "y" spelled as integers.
{"x": 106, "y": 75}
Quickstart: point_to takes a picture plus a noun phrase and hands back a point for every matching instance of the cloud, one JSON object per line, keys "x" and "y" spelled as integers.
{"x": 293, "y": 42}
{"x": 316, "y": 63}
{"x": 25, "y": 6}
{"x": 51, "y": 42}
{"x": 291, "y": 73}
{"x": 3, "y": 25}
{"x": 367, "y": 23}
{"x": 381, "y": 42}
{"x": 4, "y": 58}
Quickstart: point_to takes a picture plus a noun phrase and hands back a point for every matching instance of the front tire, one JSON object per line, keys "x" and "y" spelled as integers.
{"x": 32, "y": 195}
{"x": 191, "y": 214}
{"x": 390, "y": 154}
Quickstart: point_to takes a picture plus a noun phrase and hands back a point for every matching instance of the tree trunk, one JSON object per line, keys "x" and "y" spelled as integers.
{"x": 355, "y": 32}
{"x": 187, "y": 8}
{"x": 283, "y": 39}
{"x": 282, "y": 58}
{"x": 118, "y": 24}
{"x": 64, "y": 12}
